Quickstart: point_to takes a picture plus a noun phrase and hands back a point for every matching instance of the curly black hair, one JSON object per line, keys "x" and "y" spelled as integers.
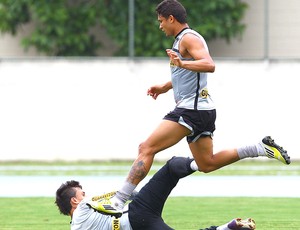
{"x": 64, "y": 194}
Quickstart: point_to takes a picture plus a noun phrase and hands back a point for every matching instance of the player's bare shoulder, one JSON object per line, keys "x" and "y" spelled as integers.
{"x": 189, "y": 42}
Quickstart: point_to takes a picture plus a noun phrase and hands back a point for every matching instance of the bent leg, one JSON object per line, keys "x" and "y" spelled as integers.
{"x": 167, "y": 134}
{"x": 146, "y": 208}
{"x": 202, "y": 151}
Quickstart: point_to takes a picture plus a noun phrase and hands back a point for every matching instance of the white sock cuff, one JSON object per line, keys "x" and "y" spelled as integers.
{"x": 194, "y": 166}
{"x": 260, "y": 149}
{"x": 127, "y": 188}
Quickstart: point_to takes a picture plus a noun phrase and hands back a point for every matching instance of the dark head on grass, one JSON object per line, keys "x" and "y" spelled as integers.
{"x": 68, "y": 196}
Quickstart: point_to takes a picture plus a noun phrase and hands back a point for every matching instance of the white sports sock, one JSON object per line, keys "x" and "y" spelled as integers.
{"x": 251, "y": 151}
{"x": 123, "y": 195}
{"x": 261, "y": 150}
{"x": 194, "y": 166}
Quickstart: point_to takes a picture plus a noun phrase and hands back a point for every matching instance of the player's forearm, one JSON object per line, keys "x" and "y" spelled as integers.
{"x": 167, "y": 86}
{"x": 199, "y": 65}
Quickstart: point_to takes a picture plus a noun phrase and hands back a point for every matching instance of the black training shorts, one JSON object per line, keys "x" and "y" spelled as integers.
{"x": 200, "y": 122}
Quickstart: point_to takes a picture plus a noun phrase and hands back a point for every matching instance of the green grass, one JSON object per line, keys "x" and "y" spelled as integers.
{"x": 86, "y": 168}
{"x": 269, "y": 213}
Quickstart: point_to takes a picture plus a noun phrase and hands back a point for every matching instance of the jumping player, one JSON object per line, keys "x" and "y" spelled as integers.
{"x": 194, "y": 115}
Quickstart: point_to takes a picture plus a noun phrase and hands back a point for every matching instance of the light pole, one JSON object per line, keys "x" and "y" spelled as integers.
{"x": 131, "y": 29}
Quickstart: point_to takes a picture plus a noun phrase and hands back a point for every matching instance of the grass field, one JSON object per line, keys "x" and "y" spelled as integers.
{"x": 269, "y": 213}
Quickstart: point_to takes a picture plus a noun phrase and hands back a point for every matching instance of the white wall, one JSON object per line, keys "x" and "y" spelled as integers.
{"x": 98, "y": 109}
{"x": 274, "y": 35}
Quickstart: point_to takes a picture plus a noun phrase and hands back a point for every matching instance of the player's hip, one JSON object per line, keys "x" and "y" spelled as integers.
{"x": 199, "y": 122}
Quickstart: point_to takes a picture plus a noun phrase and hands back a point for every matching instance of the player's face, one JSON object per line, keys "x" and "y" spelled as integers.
{"x": 80, "y": 194}
{"x": 165, "y": 24}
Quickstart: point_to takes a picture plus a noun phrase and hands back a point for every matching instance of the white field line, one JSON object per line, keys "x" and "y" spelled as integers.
{"x": 210, "y": 186}
{"x": 118, "y": 168}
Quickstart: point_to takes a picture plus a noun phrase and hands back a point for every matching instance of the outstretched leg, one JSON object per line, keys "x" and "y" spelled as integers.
{"x": 146, "y": 208}
{"x": 208, "y": 161}
{"x": 165, "y": 135}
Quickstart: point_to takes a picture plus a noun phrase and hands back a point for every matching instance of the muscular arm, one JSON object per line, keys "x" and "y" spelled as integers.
{"x": 192, "y": 46}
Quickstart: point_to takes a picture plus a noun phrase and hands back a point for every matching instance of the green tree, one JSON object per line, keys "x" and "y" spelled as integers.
{"x": 63, "y": 27}
{"x": 12, "y": 14}
{"x": 213, "y": 19}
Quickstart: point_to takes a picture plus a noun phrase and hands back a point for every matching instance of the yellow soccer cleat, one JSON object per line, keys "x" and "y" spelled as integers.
{"x": 272, "y": 150}
{"x": 106, "y": 195}
{"x": 104, "y": 205}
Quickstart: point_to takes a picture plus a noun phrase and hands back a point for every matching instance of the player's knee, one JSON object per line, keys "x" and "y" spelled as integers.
{"x": 206, "y": 168}
{"x": 145, "y": 150}
{"x": 178, "y": 164}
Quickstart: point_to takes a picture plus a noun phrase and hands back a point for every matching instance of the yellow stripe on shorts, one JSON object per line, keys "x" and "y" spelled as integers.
{"x": 115, "y": 223}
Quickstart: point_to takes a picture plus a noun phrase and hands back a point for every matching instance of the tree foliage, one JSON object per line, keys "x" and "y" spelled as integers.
{"x": 63, "y": 28}
{"x": 213, "y": 19}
